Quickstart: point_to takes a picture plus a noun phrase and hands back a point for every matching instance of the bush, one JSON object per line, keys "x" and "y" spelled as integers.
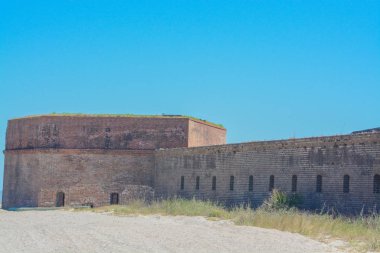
{"x": 280, "y": 200}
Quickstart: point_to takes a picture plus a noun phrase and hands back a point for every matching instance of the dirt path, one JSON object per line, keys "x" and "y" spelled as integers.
{"x": 64, "y": 231}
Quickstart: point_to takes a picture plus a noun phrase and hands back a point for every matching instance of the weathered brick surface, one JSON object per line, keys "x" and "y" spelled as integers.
{"x": 91, "y": 132}
{"x": 332, "y": 157}
{"x": 89, "y": 157}
{"x": 201, "y": 134}
{"x": 33, "y": 177}
{"x": 133, "y": 192}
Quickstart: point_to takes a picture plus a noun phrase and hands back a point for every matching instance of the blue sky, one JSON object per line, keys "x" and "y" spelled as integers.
{"x": 264, "y": 69}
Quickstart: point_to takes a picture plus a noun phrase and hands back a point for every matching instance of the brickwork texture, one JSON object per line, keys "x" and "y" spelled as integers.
{"x": 331, "y": 158}
{"x": 88, "y": 159}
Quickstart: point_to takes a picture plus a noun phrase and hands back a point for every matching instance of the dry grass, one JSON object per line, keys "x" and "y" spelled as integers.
{"x": 172, "y": 207}
{"x": 363, "y": 233}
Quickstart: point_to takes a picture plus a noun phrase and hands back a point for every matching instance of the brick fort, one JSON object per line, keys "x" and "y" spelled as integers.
{"x": 75, "y": 160}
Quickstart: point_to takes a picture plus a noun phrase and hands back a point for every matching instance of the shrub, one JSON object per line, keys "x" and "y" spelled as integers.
{"x": 280, "y": 200}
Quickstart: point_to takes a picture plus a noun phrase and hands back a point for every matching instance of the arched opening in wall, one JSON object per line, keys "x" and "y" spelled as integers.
{"x": 250, "y": 184}
{"x": 182, "y": 182}
{"x": 346, "y": 184}
{"x": 376, "y": 184}
{"x": 213, "y": 187}
{"x": 60, "y": 199}
{"x": 271, "y": 183}
{"x": 319, "y": 184}
{"x": 294, "y": 183}
{"x": 114, "y": 198}
{"x": 197, "y": 183}
{"x": 232, "y": 181}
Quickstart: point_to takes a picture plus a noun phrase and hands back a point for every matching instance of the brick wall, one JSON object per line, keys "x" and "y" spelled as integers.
{"x": 331, "y": 157}
{"x": 201, "y": 134}
{"x": 89, "y": 157}
{"x": 90, "y": 132}
{"x": 34, "y": 177}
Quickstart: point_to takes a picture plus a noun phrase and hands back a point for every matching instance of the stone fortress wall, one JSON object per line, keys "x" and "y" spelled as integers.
{"x": 110, "y": 132}
{"x": 89, "y": 157}
{"x": 347, "y": 168}
{"x": 98, "y": 160}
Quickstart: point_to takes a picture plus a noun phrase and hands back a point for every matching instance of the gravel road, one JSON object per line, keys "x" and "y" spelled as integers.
{"x": 65, "y": 231}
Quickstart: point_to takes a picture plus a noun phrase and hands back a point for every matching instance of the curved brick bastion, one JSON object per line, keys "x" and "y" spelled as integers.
{"x": 55, "y": 160}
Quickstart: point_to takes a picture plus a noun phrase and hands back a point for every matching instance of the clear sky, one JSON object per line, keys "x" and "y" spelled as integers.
{"x": 264, "y": 69}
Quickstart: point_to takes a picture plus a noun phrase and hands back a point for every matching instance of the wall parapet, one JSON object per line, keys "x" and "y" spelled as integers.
{"x": 328, "y": 141}
{"x": 110, "y": 132}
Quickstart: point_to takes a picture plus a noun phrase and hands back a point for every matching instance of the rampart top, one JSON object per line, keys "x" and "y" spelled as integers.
{"x": 111, "y": 132}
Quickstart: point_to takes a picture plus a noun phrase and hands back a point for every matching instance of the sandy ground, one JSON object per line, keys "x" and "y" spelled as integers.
{"x": 65, "y": 231}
